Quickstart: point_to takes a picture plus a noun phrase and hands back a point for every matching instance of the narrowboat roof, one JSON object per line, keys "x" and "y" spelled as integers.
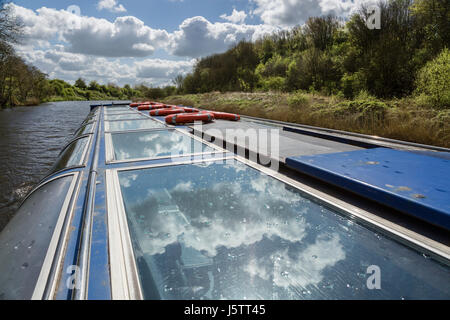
{"x": 135, "y": 208}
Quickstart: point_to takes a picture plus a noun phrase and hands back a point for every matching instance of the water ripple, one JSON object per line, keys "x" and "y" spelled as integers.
{"x": 30, "y": 141}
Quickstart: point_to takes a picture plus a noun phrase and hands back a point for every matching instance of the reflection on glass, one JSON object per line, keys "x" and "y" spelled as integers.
{"x": 72, "y": 155}
{"x": 227, "y": 231}
{"x": 127, "y": 116}
{"x": 109, "y": 113}
{"x": 90, "y": 118}
{"x": 25, "y": 240}
{"x": 87, "y": 128}
{"x": 162, "y": 143}
{"x": 117, "y": 109}
{"x": 134, "y": 125}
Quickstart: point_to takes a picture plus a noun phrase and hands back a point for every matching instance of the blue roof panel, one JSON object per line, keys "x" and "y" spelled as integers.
{"x": 415, "y": 184}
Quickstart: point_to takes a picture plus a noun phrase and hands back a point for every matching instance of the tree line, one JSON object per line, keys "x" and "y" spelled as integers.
{"x": 407, "y": 55}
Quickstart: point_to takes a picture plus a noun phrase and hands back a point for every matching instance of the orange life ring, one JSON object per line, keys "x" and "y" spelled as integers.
{"x": 166, "y": 111}
{"x": 143, "y": 107}
{"x": 189, "y": 110}
{"x": 224, "y": 115}
{"x": 158, "y": 106}
{"x": 189, "y": 118}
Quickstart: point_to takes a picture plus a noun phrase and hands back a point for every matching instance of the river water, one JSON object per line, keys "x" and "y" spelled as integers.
{"x": 30, "y": 141}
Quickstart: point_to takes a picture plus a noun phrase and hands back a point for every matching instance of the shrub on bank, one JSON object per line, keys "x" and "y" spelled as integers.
{"x": 433, "y": 80}
{"x": 298, "y": 99}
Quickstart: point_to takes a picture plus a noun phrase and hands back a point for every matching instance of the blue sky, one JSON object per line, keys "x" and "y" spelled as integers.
{"x": 136, "y": 41}
{"x": 163, "y": 14}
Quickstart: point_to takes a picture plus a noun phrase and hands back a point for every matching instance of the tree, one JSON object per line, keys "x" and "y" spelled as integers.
{"x": 434, "y": 80}
{"x": 432, "y": 18}
{"x": 93, "y": 85}
{"x": 11, "y": 29}
{"x": 178, "y": 82}
{"x": 320, "y": 31}
{"x": 80, "y": 83}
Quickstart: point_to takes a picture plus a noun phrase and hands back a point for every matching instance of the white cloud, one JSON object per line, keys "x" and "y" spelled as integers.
{"x": 158, "y": 68}
{"x": 69, "y": 66}
{"x": 125, "y": 37}
{"x": 235, "y": 17}
{"x": 288, "y": 13}
{"x": 198, "y": 37}
{"x": 110, "y": 5}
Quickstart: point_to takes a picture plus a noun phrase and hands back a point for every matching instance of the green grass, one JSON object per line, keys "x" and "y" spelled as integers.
{"x": 410, "y": 119}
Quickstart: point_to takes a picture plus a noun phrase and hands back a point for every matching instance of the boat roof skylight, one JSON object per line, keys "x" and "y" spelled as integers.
{"x": 127, "y": 125}
{"x": 155, "y": 144}
{"x": 224, "y": 230}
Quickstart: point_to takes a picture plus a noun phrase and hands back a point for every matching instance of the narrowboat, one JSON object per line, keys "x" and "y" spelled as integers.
{"x": 157, "y": 206}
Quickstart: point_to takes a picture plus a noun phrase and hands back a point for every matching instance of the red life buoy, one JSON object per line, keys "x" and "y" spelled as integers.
{"x": 189, "y": 110}
{"x": 166, "y": 111}
{"x": 189, "y": 118}
{"x": 143, "y": 107}
{"x": 158, "y": 106}
{"x": 224, "y": 115}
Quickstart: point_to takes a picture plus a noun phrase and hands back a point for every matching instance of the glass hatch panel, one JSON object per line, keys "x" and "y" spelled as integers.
{"x": 154, "y": 144}
{"x": 24, "y": 241}
{"x": 72, "y": 155}
{"x": 116, "y": 126}
{"x": 226, "y": 231}
{"x": 126, "y": 116}
{"x": 123, "y": 108}
{"x": 85, "y": 129}
{"x": 119, "y": 111}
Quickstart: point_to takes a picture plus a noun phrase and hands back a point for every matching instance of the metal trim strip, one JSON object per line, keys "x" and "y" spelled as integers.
{"x": 41, "y": 283}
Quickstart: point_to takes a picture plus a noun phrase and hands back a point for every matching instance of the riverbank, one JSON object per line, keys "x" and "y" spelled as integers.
{"x": 35, "y": 103}
{"x": 408, "y": 119}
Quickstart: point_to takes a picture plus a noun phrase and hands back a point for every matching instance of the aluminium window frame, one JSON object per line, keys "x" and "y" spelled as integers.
{"x": 49, "y": 276}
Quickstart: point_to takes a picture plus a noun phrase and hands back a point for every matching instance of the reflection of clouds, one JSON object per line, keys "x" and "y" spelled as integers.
{"x": 255, "y": 268}
{"x": 234, "y": 214}
{"x": 125, "y": 181}
{"x": 304, "y": 269}
{"x": 121, "y": 154}
{"x": 154, "y": 144}
{"x": 172, "y": 143}
{"x": 149, "y": 138}
{"x": 184, "y": 186}
{"x": 165, "y": 230}
{"x": 134, "y": 125}
{"x": 273, "y": 189}
{"x": 231, "y": 165}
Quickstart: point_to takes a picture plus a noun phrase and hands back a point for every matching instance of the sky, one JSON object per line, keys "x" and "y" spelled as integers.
{"x": 151, "y": 41}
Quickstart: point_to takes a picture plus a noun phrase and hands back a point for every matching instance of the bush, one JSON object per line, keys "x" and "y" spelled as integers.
{"x": 433, "y": 80}
{"x": 352, "y": 84}
{"x": 443, "y": 118}
{"x": 298, "y": 99}
{"x": 273, "y": 83}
